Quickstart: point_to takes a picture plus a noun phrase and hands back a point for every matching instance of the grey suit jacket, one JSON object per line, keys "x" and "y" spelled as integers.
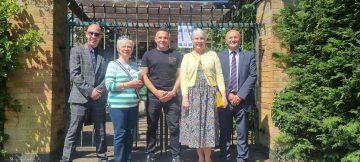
{"x": 84, "y": 77}
{"x": 246, "y": 79}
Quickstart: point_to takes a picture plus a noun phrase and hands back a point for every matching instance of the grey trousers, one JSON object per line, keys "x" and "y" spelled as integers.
{"x": 98, "y": 112}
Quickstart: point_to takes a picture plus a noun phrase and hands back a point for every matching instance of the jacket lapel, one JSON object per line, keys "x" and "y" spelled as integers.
{"x": 241, "y": 63}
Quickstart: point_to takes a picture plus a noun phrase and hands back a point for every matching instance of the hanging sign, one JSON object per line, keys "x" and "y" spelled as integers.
{"x": 184, "y": 36}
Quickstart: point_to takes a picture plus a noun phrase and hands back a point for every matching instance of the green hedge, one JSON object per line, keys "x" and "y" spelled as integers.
{"x": 318, "y": 113}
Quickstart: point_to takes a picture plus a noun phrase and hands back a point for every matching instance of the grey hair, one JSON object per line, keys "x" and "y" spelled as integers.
{"x": 198, "y": 32}
{"x": 123, "y": 39}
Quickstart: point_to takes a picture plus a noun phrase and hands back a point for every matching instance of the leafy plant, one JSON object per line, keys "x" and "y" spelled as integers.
{"x": 318, "y": 113}
{"x": 246, "y": 14}
{"x": 12, "y": 43}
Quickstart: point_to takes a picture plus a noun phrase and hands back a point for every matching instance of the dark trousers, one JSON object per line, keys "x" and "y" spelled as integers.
{"x": 124, "y": 121}
{"x": 226, "y": 121}
{"x": 171, "y": 110}
{"x": 78, "y": 111}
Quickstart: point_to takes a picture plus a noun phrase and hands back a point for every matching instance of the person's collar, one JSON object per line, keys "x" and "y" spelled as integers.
{"x": 164, "y": 51}
{"x": 237, "y": 50}
{"x": 92, "y": 49}
{"x": 166, "y": 48}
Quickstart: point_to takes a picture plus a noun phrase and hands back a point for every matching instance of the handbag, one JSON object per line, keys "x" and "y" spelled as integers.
{"x": 141, "y": 93}
{"x": 218, "y": 98}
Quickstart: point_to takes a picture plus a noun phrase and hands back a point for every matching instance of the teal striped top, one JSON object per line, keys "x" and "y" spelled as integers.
{"x": 121, "y": 98}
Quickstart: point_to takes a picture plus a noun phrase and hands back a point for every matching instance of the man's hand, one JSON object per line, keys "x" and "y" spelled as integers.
{"x": 160, "y": 94}
{"x": 234, "y": 99}
{"x": 169, "y": 95}
{"x": 95, "y": 94}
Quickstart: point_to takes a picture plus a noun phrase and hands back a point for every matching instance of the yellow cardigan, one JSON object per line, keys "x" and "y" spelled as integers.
{"x": 210, "y": 62}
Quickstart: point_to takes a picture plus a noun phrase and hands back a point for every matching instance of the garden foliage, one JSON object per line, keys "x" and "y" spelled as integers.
{"x": 13, "y": 42}
{"x": 318, "y": 113}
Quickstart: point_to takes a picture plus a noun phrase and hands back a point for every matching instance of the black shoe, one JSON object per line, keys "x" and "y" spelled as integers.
{"x": 150, "y": 158}
{"x": 225, "y": 158}
{"x": 176, "y": 159}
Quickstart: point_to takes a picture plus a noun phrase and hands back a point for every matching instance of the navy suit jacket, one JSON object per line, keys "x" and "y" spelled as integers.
{"x": 246, "y": 79}
{"x": 84, "y": 77}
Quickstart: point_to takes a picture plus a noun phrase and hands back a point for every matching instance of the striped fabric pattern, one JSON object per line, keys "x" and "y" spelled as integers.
{"x": 121, "y": 98}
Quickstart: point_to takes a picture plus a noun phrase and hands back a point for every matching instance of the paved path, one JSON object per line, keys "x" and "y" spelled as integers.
{"x": 86, "y": 152}
{"x": 189, "y": 155}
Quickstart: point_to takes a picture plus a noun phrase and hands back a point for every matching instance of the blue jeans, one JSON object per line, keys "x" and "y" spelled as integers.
{"x": 124, "y": 121}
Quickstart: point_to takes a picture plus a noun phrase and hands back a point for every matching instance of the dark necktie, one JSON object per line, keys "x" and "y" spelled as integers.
{"x": 93, "y": 58}
{"x": 233, "y": 77}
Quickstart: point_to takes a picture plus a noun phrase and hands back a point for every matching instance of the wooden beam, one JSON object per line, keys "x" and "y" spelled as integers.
{"x": 77, "y": 10}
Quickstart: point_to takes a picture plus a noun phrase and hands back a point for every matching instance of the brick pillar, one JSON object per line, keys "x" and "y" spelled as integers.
{"x": 38, "y": 83}
{"x": 272, "y": 78}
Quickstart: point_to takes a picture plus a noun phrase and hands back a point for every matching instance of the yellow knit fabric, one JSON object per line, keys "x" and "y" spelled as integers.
{"x": 212, "y": 68}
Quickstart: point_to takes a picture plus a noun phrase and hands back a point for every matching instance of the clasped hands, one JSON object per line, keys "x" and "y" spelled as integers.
{"x": 137, "y": 83}
{"x": 234, "y": 99}
{"x": 164, "y": 96}
{"x": 95, "y": 94}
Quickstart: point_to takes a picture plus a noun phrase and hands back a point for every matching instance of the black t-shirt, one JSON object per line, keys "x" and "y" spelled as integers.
{"x": 162, "y": 67}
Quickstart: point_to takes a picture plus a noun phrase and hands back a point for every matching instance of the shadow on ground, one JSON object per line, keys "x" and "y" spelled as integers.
{"x": 188, "y": 155}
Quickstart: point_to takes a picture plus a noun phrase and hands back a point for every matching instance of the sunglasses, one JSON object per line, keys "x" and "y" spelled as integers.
{"x": 94, "y": 34}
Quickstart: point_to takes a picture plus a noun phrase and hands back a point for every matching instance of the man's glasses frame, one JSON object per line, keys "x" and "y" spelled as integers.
{"x": 96, "y": 34}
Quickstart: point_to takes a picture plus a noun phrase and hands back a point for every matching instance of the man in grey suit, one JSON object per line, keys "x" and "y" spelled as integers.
{"x": 239, "y": 70}
{"x": 88, "y": 64}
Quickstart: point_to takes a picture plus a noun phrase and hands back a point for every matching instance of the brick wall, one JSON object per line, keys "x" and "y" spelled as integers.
{"x": 272, "y": 78}
{"x": 38, "y": 84}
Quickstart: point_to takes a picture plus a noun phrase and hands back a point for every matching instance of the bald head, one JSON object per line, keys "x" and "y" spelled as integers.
{"x": 233, "y": 39}
{"x": 94, "y": 27}
{"x": 93, "y": 35}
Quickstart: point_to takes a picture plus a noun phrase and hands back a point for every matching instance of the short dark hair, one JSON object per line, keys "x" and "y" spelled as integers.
{"x": 163, "y": 29}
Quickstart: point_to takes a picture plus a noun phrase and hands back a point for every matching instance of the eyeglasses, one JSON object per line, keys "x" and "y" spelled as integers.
{"x": 94, "y": 34}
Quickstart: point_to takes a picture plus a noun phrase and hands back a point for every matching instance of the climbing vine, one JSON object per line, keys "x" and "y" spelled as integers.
{"x": 13, "y": 42}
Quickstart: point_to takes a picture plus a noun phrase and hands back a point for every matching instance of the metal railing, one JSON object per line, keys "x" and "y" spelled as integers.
{"x": 140, "y": 22}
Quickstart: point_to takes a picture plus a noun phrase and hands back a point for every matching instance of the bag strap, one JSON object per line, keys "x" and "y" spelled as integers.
{"x": 129, "y": 76}
{"x": 212, "y": 85}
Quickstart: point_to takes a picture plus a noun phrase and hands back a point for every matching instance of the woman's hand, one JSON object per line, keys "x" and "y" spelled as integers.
{"x": 134, "y": 83}
{"x": 224, "y": 101}
{"x": 185, "y": 103}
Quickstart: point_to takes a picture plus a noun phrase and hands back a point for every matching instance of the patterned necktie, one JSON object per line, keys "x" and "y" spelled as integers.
{"x": 233, "y": 77}
{"x": 93, "y": 58}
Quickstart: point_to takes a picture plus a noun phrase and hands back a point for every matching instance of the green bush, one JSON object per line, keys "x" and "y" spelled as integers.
{"x": 318, "y": 113}
{"x": 12, "y": 43}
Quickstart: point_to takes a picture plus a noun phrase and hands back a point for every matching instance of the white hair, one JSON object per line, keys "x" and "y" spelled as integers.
{"x": 124, "y": 39}
{"x": 198, "y": 32}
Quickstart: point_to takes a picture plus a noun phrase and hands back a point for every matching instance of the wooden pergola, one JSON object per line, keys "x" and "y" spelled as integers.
{"x": 154, "y": 14}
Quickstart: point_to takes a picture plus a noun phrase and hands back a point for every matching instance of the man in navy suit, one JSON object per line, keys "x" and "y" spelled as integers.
{"x": 239, "y": 69}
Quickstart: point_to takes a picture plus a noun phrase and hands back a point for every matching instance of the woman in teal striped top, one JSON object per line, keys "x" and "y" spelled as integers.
{"x": 122, "y": 99}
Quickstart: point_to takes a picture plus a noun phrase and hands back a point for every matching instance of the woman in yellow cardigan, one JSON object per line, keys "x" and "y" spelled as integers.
{"x": 201, "y": 75}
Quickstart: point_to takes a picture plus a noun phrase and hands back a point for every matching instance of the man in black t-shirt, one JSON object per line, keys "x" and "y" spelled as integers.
{"x": 161, "y": 70}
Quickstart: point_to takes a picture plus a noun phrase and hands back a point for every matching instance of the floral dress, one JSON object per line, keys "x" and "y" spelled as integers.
{"x": 199, "y": 125}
